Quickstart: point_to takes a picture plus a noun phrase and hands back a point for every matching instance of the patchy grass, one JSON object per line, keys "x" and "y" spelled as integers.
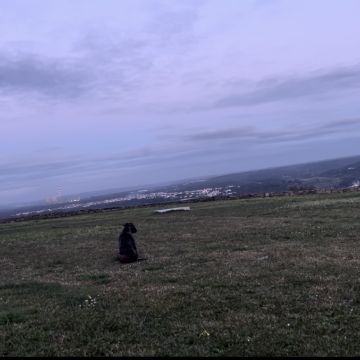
{"x": 257, "y": 277}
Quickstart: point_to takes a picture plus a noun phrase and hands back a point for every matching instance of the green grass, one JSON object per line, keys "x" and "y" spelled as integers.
{"x": 274, "y": 276}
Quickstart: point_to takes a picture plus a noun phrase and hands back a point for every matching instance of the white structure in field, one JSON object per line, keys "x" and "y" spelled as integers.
{"x": 185, "y": 208}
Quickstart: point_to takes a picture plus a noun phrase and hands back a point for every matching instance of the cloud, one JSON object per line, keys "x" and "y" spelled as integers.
{"x": 175, "y": 23}
{"x": 97, "y": 65}
{"x": 254, "y": 134}
{"x": 273, "y": 90}
{"x": 344, "y": 123}
{"x": 223, "y": 134}
{"x": 42, "y": 75}
{"x": 222, "y": 141}
{"x": 105, "y": 49}
{"x": 22, "y": 170}
{"x": 251, "y": 134}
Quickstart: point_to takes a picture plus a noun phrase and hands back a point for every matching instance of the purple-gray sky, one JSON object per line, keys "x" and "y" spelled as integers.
{"x": 107, "y": 94}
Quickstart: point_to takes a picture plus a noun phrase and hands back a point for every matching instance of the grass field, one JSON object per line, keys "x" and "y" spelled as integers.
{"x": 275, "y": 276}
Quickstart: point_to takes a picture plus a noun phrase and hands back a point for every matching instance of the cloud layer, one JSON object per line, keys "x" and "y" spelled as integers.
{"x": 150, "y": 90}
{"x": 311, "y": 86}
{"x": 45, "y": 76}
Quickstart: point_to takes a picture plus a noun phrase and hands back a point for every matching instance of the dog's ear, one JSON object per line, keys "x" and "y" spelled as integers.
{"x": 133, "y": 228}
{"x": 126, "y": 227}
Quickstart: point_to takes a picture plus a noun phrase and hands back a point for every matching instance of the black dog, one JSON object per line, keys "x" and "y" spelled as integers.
{"x": 127, "y": 248}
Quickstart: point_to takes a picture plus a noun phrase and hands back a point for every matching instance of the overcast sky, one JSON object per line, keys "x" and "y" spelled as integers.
{"x": 113, "y": 93}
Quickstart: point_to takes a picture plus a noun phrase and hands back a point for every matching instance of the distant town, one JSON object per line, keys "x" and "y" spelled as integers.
{"x": 135, "y": 196}
{"x": 146, "y": 197}
{"x": 337, "y": 175}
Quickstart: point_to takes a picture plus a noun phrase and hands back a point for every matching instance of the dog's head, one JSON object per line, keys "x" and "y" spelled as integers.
{"x": 130, "y": 228}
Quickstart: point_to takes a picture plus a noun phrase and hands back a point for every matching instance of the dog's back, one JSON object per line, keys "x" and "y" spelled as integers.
{"x": 127, "y": 246}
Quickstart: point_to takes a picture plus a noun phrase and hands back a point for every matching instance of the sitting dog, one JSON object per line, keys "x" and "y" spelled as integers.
{"x": 127, "y": 247}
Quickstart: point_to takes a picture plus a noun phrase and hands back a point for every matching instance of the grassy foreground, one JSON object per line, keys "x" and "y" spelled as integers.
{"x": 275, "y": 276}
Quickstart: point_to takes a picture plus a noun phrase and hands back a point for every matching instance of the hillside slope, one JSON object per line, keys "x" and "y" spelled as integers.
{"x": 258, "y": 277}
{"x": 323, "y": 174}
